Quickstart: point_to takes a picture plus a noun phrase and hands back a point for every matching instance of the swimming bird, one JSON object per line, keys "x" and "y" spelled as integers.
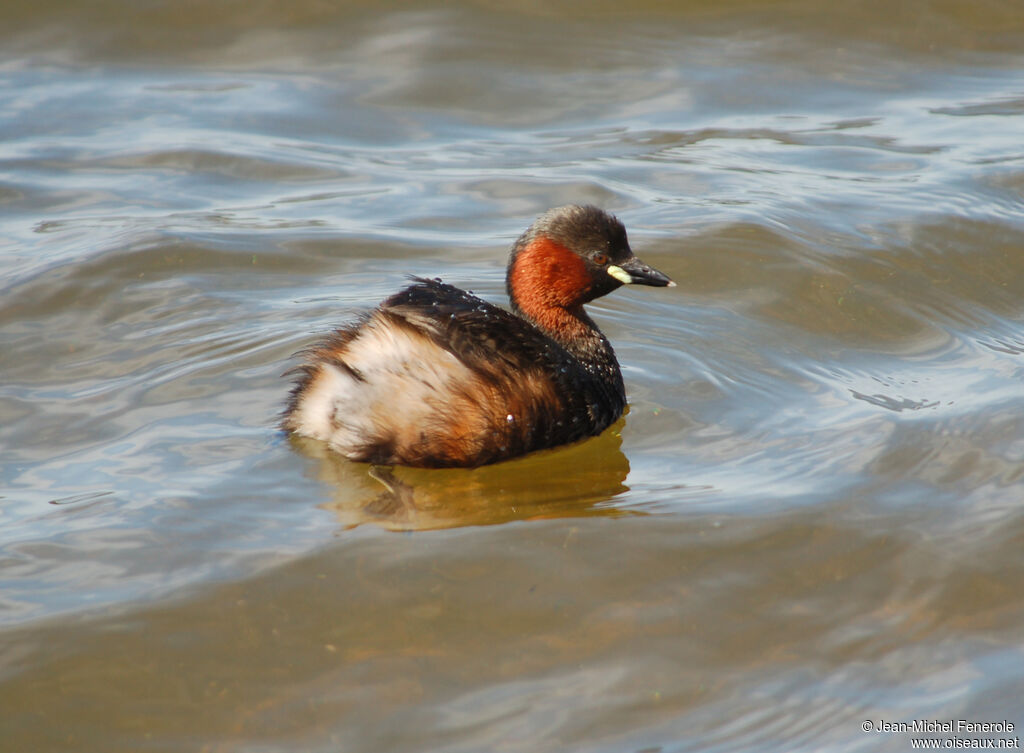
{"x": 437, "y": 377}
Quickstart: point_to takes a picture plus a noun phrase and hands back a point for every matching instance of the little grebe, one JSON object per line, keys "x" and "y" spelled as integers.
{"x": 436, "y": 377}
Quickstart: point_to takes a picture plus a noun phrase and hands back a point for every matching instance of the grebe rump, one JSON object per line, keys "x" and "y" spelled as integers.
{"x": 436, "y": 377}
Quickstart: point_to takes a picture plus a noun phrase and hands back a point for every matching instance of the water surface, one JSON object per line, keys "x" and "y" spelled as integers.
{"x": 809, "y": 519}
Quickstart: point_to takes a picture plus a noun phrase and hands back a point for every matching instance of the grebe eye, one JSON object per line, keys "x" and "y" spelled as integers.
{"x": 601, "y": 259}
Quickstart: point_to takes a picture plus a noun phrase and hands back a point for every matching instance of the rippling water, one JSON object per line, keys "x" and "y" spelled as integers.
{"x": 810, "y": 518}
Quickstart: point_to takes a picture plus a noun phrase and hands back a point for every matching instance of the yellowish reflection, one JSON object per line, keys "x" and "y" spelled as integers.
{"x": 573, "y": 481}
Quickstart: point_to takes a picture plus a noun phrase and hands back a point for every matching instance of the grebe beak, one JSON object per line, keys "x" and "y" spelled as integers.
{"x": 635, "y": 272}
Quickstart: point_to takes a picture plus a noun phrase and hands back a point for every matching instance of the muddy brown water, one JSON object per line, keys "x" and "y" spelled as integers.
{"x": 812, "y": 517}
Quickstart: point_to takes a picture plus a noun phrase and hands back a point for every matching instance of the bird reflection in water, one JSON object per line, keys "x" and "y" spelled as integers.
{"x": 580, "y": 480}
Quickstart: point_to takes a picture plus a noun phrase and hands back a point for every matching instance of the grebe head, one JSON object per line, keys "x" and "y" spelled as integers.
{"x": 572, "y": 255}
